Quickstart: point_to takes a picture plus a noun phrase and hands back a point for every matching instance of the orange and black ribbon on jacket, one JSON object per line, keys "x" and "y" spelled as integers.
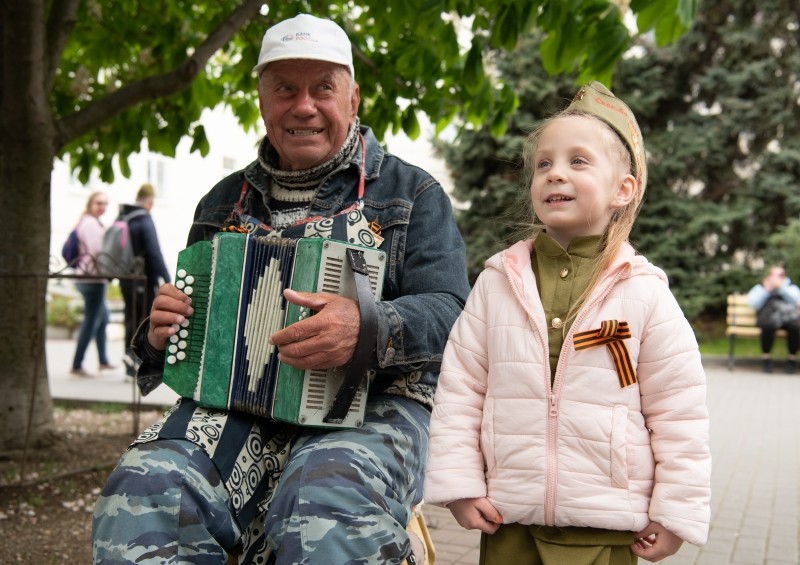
{"x": 611, "y": 334}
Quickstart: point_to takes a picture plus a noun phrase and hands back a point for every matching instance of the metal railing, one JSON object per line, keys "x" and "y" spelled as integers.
{"x": 11, "y": 268}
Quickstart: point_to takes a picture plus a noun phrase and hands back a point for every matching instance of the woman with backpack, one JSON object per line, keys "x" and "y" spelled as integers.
{"x": 90, "y": 232}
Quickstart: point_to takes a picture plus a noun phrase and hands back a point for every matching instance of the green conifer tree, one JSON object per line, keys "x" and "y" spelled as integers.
{"x": 721, "y": 121}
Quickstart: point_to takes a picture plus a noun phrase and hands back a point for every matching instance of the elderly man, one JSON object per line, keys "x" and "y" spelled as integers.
{"x": 204, "y": 483}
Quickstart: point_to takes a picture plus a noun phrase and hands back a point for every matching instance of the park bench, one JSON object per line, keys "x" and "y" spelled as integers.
{"x": 741, "y": 322}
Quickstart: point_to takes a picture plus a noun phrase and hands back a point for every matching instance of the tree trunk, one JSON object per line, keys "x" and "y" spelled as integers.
{"x": 27, "y": 151}
{"x": 25, "y": 403}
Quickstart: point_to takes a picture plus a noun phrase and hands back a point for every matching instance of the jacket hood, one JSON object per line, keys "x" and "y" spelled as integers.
{"x": 128, "y": 208}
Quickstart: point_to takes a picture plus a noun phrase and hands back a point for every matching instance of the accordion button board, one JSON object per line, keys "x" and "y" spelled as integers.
{"x": 221, "y": 356}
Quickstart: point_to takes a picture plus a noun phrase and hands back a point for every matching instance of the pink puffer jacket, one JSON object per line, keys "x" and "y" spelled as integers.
{"x": 586, "y": 452}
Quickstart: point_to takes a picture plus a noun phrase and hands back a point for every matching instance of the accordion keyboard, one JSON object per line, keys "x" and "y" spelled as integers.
{"x": 187, "y": 343}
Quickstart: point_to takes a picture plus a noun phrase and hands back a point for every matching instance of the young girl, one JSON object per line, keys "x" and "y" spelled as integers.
{"x": 570, "y": 423}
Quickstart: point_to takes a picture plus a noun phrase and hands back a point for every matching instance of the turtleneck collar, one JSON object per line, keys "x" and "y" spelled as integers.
{"x": 307, "y": 178}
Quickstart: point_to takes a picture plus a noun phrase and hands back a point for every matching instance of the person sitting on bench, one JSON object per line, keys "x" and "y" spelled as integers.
{"x": 775, "y": 299}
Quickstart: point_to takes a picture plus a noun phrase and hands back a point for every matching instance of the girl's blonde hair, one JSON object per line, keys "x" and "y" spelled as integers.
{"x": 92, "y": 196}
{"x": 619, "y": 228}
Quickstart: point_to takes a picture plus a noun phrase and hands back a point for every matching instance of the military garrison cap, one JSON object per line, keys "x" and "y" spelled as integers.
{"x": 597, "y": 100}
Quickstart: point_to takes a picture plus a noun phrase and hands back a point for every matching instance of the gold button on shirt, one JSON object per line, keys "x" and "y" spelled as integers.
{"x": 562, "y": 276}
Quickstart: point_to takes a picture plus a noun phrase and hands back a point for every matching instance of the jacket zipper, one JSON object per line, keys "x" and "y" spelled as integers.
{"x": 551, "y": 475}
{"x": 554, "y": 390}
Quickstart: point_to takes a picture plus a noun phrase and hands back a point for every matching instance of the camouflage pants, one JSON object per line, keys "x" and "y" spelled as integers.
{"x": 345, "y": 496}
{"x": 164, "y": 503}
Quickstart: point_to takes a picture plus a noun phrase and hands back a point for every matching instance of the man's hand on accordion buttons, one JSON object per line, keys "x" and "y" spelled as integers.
{"x": 171, "y": 307}
{"x": 326, "y": 339}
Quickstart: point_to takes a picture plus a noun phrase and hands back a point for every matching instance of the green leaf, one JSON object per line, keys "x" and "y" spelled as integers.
{"x": 499, "y": 124}
{"x": 200, "y": 141}
{"x": 505, "y": 31}
{"x": 686, "y": 12}
{"x": 667, "y": 30}
{"x": 560, "y": 50}
{"x": 553, "y": 14}
{"x": 528, "y": 11}
{"x": 124, "y": 166}
{"x": 410, "y": 123}
{"x": 654, "y": 12}
{"x": 473, "y": 68}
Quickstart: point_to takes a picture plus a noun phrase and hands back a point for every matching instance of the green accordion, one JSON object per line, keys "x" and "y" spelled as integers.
{"x": 221, "y": 356}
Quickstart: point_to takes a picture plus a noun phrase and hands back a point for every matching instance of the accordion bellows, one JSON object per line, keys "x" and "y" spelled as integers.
{"x": 222, "y": 358}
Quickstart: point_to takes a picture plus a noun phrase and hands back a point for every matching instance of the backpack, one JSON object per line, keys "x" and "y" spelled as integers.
{"x": 776, "y": 313}
{"x": 117, "y": 257}
{"x": 71, "y": 249}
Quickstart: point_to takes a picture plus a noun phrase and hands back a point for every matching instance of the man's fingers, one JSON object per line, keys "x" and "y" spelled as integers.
{"x": 326, "y": 339}
{"x": 318, "y": 352}
{"x": 314, "y": 300}
{"x": 171, "y": 308}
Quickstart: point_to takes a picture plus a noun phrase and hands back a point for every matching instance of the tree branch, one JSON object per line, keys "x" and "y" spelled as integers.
{"x": 154, "y": 87}
{"x": 60, "y": 22}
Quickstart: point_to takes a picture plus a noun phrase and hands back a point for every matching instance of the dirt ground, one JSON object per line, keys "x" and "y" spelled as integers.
{"x": 46, "y": 515}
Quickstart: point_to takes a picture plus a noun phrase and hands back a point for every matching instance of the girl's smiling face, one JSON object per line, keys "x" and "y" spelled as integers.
{"x": 579, "y": 177}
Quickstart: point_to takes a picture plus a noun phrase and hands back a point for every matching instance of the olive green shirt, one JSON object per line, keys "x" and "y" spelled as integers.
{"x": 561, "y": 276}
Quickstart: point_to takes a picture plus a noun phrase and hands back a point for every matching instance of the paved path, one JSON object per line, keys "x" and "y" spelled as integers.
{"x": 105, "y": 386}
{"x": 755, "y": 435}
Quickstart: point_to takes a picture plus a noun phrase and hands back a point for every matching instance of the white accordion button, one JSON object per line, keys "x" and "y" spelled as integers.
{"x": 188, "y": 290}
{"x": 173, "y": 339}
{"x": 190, "y": 279}
{"x": 181, "y": 355}
{"x": 181, "y": 273}
{"x": 171, "y": 359}
{"x": 181, "y": 344}
{"x": 184, "y": 333}
{"x": 172, "y": 348}
{"x": 179, "y": 284}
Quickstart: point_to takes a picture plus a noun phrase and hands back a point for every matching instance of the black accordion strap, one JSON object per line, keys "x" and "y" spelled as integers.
{"x": 357, "y": 368}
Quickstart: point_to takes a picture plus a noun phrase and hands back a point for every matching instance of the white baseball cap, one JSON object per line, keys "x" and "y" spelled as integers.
{"x": 306, "y": 37}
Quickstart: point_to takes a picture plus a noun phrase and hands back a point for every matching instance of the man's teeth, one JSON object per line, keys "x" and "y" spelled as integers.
{"x": 304, "y": 131}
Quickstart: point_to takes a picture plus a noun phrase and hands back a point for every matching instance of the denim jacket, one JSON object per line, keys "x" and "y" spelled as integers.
{"x": 426, "y": 282}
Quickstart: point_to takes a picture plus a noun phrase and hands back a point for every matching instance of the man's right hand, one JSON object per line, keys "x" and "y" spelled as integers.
{"x": 171, "y": 307}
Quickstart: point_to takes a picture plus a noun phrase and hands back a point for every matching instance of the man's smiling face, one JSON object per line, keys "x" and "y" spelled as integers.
{"x": 307, "y": 107}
